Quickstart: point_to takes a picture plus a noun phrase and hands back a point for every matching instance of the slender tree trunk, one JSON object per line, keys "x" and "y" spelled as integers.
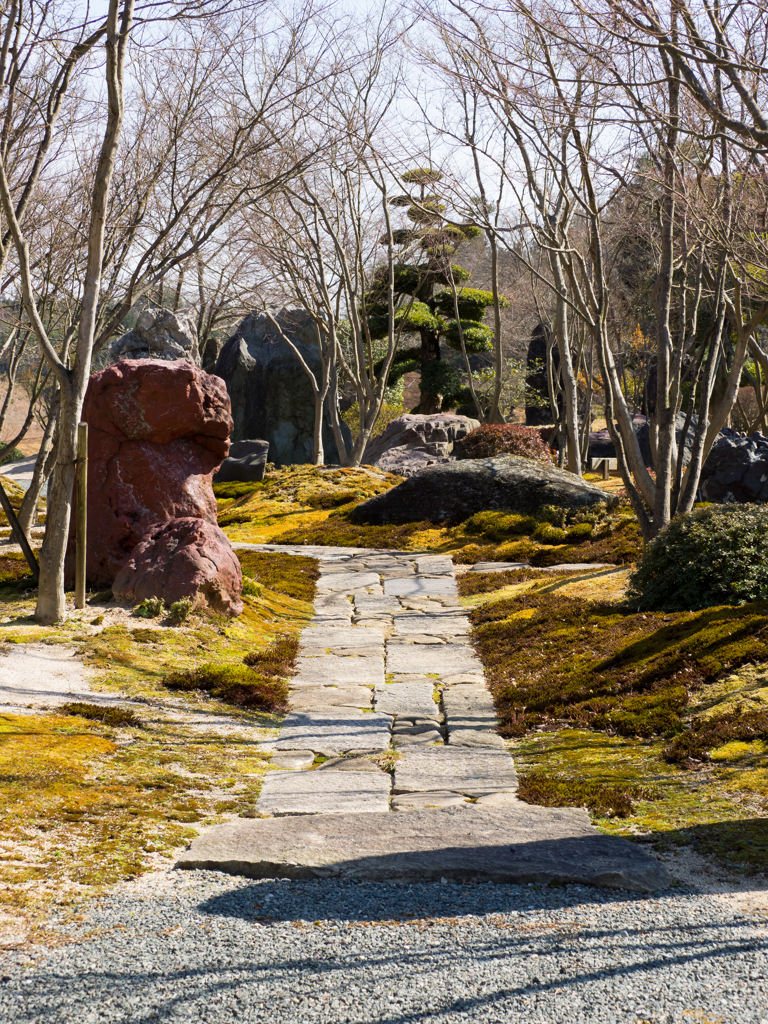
{"x": 39, "y": 476}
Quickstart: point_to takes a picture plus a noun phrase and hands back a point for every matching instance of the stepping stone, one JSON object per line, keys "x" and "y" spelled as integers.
{"x": 510, "y": 845}
{"x": 335, "y": 732}
{"x": 327, "y": 792}
{"x": 329, "y": 671}
{"x": 434, "y": 625}
{"x": 418, "y": 638}
{"x": 471, "y": 717}
{"x": 435, "y": 565}
{"x": 427, "y": 801}
{"x": 498, "y": 566}
{"x": 294, "y": 759}
{"x": 418, "y": 585}
{"x": 348, "y": 764}
{"x": 343, "y": 652}
{"x": 448, "y": 659}
{"x": 407, "y": 700}
{"x": 342, "y": 636}
{"x": 407, "y": 733}
{"x": 347, "y": 581}
{"x": 473, "y": 772}
{"x": 309, "y": 699}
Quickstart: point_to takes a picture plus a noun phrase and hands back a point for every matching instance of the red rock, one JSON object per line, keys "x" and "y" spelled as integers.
{"x": 157, "y": 432}
{"x": 183, "y": 558}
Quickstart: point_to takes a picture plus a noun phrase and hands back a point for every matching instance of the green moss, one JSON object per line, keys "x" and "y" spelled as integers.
{"x": 237, "y": 489}
{"x": 105, "y": 713}
{"x": 293, "y": 575}
{"x": 234, "y": 684}
{"x": 610, "y": 800}
{"x": 550, "y": 656}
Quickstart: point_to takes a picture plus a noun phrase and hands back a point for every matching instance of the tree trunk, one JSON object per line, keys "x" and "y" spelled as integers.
{"x": 430, "y": 351}
{"x": 51, "y": 602}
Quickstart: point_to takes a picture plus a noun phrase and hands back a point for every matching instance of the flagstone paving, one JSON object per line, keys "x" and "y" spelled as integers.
{"x": 390, "y": 695}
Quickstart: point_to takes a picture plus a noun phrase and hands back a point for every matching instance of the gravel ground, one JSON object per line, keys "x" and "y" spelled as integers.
{"x": 206, "y": 947}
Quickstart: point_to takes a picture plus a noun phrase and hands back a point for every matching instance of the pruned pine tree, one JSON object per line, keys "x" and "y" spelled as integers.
{"x": 432, "y": 299}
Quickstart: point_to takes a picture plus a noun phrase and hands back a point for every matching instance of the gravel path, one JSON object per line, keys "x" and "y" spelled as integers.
{"x": 207, "y": 947}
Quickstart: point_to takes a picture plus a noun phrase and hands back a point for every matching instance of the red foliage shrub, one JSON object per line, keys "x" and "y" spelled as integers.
{"x": 503, "y": 439}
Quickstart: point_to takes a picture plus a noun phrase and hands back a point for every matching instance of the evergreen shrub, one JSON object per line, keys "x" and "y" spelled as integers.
{"x": 712, "y": 556}
{"x": 503, "y": 439}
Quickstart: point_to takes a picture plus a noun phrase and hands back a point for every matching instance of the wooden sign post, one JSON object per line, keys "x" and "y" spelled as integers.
{"x": 81, "y": 511}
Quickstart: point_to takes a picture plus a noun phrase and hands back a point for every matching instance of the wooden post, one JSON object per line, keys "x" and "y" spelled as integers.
{"x": 606, "y": 469}
{"x": 82, "y": 514}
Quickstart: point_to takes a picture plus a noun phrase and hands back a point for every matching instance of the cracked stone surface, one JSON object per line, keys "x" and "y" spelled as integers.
{"x": 388, "y": 634}
{"x": 328, "y": 792}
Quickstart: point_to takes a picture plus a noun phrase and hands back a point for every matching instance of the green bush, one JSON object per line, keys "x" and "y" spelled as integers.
{"x": 712, "y": 556}
{"x": 498, "y": 525}
{"x": 548, "y": 534}
{"x": 10, "y": 454}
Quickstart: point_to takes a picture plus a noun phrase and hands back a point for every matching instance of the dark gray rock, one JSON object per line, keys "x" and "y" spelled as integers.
{"x": 515, "y": 844}
{"x": 270, "y": 392}
{"x": 457, "y": 490}
{"x": 247, "y": 461}
{"x": 159, "y": 334}
{"x": 601, "y": 446}
{"x": 736, "y": 470}
{"x": 413, "y": 442}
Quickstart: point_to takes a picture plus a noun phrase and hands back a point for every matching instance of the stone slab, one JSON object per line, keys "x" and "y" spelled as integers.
{"x": 512, "y": 845}
{"x": 473, "y": 772}
{"x": 432, "y": 625}
{"x": 343, "y": 652}
{"x": 346, "y": 582}
{"x": 406, "y": 700}
{"x": 447, "y": 659}
{"x": 342, "y": 636}
{"x": 294, "y": 760}
{"x": 435, "y": 565}
{"x": 419, "y": 585}
{"x": 406, "y": 734}
{"x": 329, "y": 792}
{"x": 349, "y": 764}
{"x": 328, "y": 671}
{"x": 471, "y": 717}
{"x": 498, "y": 566}
{"x": 427, "y": 801}
{"x": 317, "y": 699}
{"x": 335, "y": 732}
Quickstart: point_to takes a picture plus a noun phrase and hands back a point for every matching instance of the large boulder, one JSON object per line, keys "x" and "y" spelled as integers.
{"x": 157, "y": 431}
{"x": 183, "y": 558}
{"x": 159, "y": 334}
{"x": 736, "y": 470}
{"x": 246, "y": 463}
{"x": 457, "y": 490}
{"x": 271, "y": 395}
{"x": 413, "y": 441}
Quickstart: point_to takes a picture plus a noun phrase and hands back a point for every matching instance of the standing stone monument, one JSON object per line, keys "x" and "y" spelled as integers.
{"x": 271, "y": 395}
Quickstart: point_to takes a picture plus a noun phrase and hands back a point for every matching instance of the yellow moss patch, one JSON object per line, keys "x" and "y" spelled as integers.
{"x": 737, "y": 750}
{"x": 741, "y": 691}
{"x": 82, "y": 805}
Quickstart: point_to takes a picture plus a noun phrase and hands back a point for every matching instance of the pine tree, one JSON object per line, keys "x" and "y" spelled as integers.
{"x": 428, "y": 289}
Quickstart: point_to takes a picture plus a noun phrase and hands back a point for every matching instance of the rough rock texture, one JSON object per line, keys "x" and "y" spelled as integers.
{"x": 157, "y": 431}
{"x": 159, "y": 334}
{"x": 457, "y": 490}
{"x": 247, "y": 461}
{"x": 183, "y": 558}
{"x": 736, "y": 470}
{"x": 270, "y": 392}
{"x": 601, "y": 446}
{"x": 514, "y": 844}
{"x": 414, "y": 441}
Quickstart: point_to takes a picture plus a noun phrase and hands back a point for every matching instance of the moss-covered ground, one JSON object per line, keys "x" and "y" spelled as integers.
{"x": 310, "y": 505}
{"x": 91, "y": 797}
{"x": 658, "y": 723}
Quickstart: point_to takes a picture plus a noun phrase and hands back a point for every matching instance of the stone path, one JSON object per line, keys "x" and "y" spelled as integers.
{"x": 387, "y": 677}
